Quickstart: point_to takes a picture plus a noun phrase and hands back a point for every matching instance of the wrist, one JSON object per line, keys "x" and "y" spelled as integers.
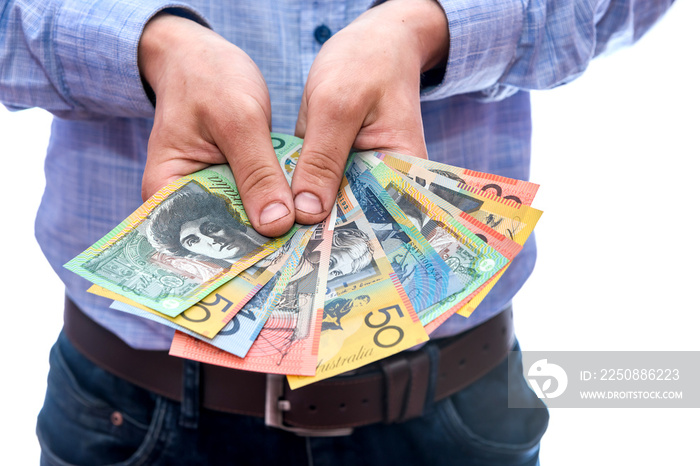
{"x": 427, "y": 26}
{"x": 434, "y": 34}
{"x": 162, "y": 37}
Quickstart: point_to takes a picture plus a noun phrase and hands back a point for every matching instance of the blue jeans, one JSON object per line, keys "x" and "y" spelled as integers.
{"x": 91, "y": 417}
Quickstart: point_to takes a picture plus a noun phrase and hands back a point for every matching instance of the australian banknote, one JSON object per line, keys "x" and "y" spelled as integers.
{"x": 504, "y": 214}
{"x": 519, "y": 191}
{"x": 183, "y": 243}
{"x": 209, "y": 316}
{"x": 469, "y": 257}
{"x": 367, "y": 315}
{"x": 425, "y": 276}
{"x": 286, "y": 340}
{"x": 238, "y": 333}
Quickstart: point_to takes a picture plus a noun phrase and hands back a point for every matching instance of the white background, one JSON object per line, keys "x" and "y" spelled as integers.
{"x": 617, "y": 155}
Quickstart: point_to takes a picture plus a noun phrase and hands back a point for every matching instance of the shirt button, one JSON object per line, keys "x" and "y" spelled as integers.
{"x": 322, "y": 33}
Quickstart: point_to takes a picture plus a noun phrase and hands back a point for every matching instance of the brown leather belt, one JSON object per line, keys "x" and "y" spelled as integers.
{"x": 392, "y": 390}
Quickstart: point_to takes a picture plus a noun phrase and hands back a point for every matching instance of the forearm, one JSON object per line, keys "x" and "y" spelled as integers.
{"x": 76, "y": 59}
{"x": 497, "y": 47}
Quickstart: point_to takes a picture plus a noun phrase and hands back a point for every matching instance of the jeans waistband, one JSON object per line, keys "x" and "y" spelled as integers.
{"x": 392, "y": 390}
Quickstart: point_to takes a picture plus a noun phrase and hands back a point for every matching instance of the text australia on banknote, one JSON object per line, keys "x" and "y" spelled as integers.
{"x": 367, "y": 314}
{"x": 320, "y": 300}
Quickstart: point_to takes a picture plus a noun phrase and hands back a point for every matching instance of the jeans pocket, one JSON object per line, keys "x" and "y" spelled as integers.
{"x": 486, "y": 430}
{"x": 89, "y": 416}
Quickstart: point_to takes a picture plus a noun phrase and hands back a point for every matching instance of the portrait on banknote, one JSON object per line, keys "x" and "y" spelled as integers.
{"x": 352, "y": 258}
{"x": 200, "y": 225}
{"x": 441, "y": 240}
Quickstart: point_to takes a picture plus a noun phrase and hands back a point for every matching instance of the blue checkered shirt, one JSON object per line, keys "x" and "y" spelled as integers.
{"x": 78, "y": 60}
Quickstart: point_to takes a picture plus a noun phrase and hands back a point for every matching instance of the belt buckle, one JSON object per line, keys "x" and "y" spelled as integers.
{"x": 276, "y": 406}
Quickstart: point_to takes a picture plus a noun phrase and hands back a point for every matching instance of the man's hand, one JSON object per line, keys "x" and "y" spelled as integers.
{"x": 212, "y": 107}
{"x": 363, "y": 91}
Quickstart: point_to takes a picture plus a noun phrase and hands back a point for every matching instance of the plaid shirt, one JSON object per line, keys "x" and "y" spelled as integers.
{"x": 78, "y": 59}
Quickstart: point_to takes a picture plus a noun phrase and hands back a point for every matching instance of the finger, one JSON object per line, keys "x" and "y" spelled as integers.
{"x": 157, "y": 175}
{"x": 397, "y": 126}
{"x": 408, "y": 140}
{"x": 264, "y": 190}
{"x": 170, "y": 153}
{"x": 329, "y": 132}
{"x": 300, "y": 129}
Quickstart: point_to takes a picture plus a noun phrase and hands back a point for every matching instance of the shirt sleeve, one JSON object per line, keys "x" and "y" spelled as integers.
{"x": 77, "y": 58}
{"x": 498, "y": 47}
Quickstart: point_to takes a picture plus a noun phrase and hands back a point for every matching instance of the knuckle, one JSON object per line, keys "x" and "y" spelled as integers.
{"x": 337, "y": 105}
{"x": 320, "y": 169}
{"x": 246, "y": 106}
{"x": 259, "y": 179}
{"x": 229, "y": 115}
{"x": 397, "y": 137}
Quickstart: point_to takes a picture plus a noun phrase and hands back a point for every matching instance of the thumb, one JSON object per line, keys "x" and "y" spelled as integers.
{"x": 321, "y": 164}
{"x": 264, "y": 190}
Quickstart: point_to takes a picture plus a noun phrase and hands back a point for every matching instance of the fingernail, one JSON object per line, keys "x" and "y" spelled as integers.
{"x": 309, "y": 203}
{"x": 272, "y": 212}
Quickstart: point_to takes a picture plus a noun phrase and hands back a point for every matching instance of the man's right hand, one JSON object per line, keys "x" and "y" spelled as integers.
{"x": 212, "y": 107}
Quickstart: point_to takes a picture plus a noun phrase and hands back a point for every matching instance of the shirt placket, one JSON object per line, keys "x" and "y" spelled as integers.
{"x": 318, "y": 22}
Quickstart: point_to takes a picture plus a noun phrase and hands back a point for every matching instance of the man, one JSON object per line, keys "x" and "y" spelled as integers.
{"x": 410, "y": 76}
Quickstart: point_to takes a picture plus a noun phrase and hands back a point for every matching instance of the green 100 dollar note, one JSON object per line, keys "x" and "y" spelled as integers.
{"x": 184, "y": 242}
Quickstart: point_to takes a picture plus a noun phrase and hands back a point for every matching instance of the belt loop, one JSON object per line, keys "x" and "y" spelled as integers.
{"x": 397, "y": 385}
{"x": 189, "y": 408}
{"x": 407, "y": 384}
{"x": 418, "y": 389}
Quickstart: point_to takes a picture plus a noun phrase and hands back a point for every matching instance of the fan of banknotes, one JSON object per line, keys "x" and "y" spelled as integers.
{"x": 410, "y": 243}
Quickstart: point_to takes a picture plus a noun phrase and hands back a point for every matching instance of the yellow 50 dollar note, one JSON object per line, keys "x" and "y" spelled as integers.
{"x": 367, "y": 315}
